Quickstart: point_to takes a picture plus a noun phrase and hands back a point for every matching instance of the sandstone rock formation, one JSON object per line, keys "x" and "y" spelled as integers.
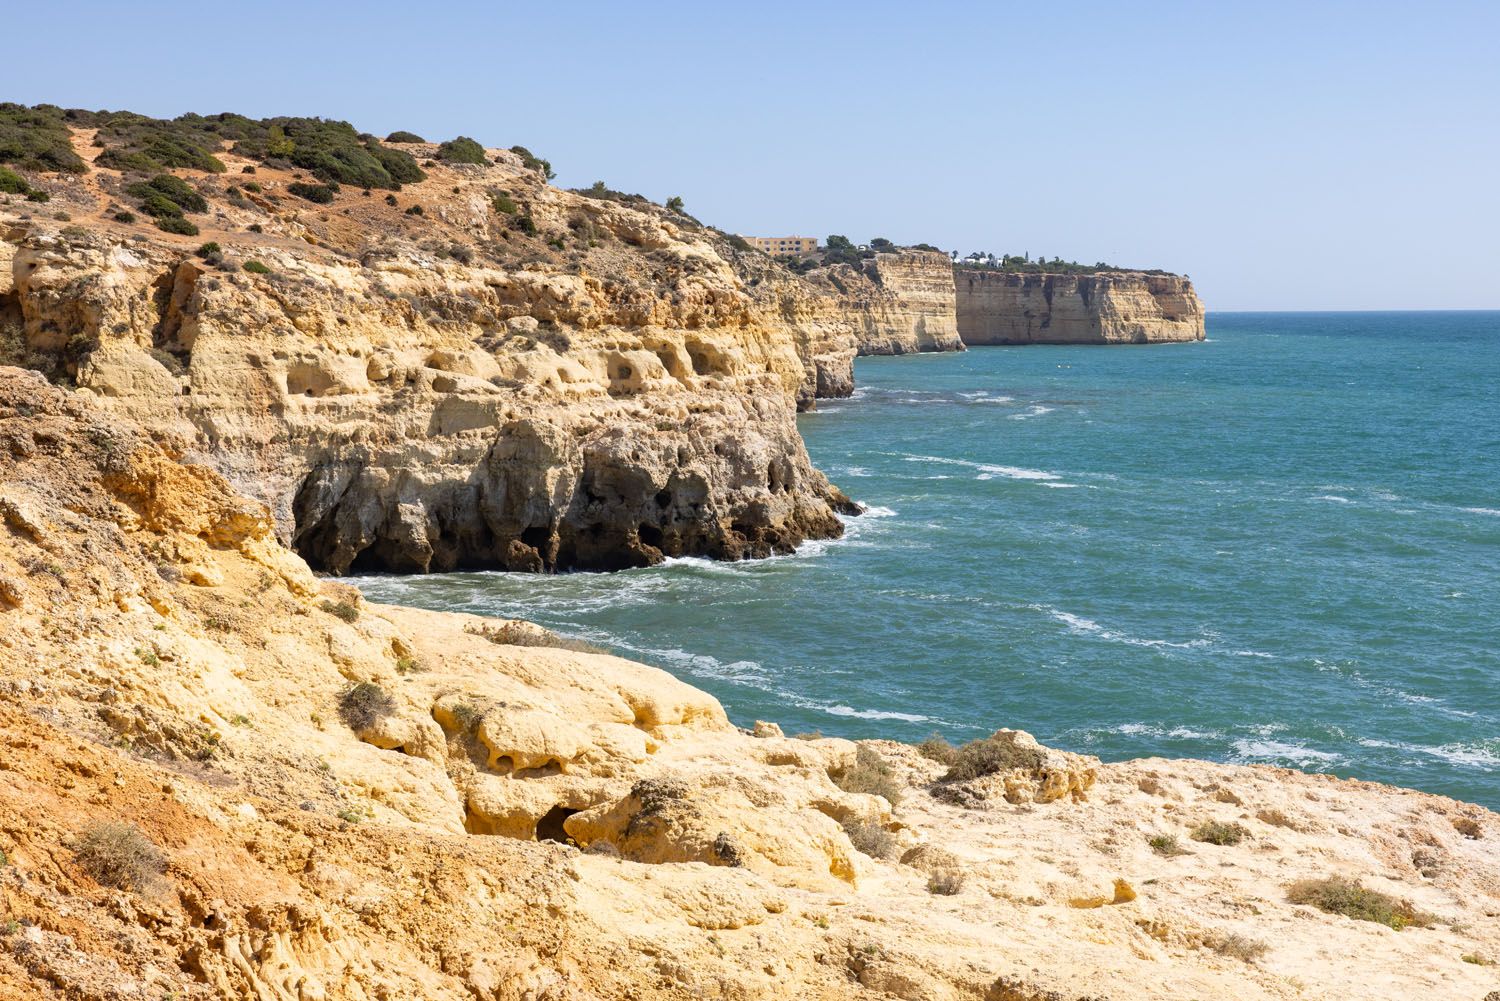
{"x": 1107, "y": 307}
{"x": 518, "y": 377}
{"x": 328, "y": 799}
{"x": 899, "y": 303}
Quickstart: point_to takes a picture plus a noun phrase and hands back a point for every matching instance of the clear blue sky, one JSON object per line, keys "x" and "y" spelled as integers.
{"x": 1286, "y": 155}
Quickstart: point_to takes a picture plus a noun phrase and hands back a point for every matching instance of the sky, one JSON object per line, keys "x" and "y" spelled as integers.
{"x": 1285, "y": 155}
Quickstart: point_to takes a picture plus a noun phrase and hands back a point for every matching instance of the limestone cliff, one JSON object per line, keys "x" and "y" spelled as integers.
{"x": 484, "y": 372}
{"x": 1107, "y": 307}
{"x": 898, "y": 303}
{"x": 225, "y": 778}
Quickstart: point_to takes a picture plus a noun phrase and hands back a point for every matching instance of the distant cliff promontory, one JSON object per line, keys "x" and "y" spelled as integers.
{"x": 1105, "y": 307}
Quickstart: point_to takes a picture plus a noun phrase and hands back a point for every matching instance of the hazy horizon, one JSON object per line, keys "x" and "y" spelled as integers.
{"x": 1286, "y": 158}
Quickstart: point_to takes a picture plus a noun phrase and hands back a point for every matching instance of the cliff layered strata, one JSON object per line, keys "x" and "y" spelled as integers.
{"x": 1107, "y": 307}
{"x": 516, "y": 377}
{"x": 898, "y": 303}
{"x": 226, "y": 778}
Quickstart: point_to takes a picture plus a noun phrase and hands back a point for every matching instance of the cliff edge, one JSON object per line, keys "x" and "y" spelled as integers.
{"x": 1106, "y": 307}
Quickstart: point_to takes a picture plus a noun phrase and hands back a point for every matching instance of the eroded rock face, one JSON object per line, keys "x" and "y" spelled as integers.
{"x": 996, "y": 307}
{"x": 898, "y": 303}
{"x": 462, "y": 394}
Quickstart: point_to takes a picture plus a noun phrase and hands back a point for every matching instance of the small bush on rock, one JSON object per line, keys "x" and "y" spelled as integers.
{"x": 119, "y": 855}
{"x": 1337, "y": 895}
{"x": 989, "y": 756}
{"x": 322, "y": 194}
{"x": 257, "y": 268}
{"x": 338, "y": 609}
{"x": 461, "y": 150}
{"x": 870, "y": 837}
{"x": 364, "y": 705}
{"x": 1166, "y": 844}
{"x": 404, "y": 137}
{"x": 176, "y": 224}
{"x": 1240, "y": 947}
{"x": 936, "y": 748}
{"x": 945, "y": 882}
{"x": 1215, "y": 832}
{"x": 870, "y": 774}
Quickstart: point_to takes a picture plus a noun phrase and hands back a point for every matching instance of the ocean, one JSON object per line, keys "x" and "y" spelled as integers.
{"x": 1281, "y": 545}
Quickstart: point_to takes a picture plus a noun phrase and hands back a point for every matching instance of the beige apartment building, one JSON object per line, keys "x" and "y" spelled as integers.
{"x": 783, "y": 244}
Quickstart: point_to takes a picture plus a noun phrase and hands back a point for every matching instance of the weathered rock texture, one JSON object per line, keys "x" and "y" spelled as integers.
{"x": 515, "y": 821}
{"x": 1108, "y": 307}
{"x": 899, "y": 303}
{"x": 609, "y": 384}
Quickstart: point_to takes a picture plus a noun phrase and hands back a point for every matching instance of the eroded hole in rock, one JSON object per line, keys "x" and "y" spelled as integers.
{"x": 649, "y": 535}
{"x": 699, "y": 361}
{"x": 550, "y": 827}
{"x": 664, "y": 498}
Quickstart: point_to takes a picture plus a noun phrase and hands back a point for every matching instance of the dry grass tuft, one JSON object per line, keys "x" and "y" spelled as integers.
{"x": 1241, "y": 947}
{"x": 870, "y": 774}
{"x": 518, "y": 633}
{"x": 989, "y": 756}
{"x": 936, "y": 748}
{"x": 1337, "y": 895}
{"x": 364, "y": 705}
{"x": 1216, "y": 832}
{"x": 946, "y": 882}
{"x": 870, "y": 837}
{"x": 119, "y": 855}
{"x": 1166, "y": 844}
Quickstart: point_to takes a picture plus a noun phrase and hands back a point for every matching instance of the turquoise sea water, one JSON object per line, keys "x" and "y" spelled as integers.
{"x": 1281, "y": 545}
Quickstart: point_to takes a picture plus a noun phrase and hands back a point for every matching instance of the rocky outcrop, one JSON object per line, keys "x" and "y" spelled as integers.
{"x": 225, "y": 778}
{"x": 607, "y": 385}
{"x": 1107, "y": 307}
{"x": 898, "y": 303}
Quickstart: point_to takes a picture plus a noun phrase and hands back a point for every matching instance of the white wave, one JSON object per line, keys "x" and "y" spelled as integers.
{"x": 842, "y": 710}
{"x": 1465, "y": 754}
{"x": 1035, "y": 411}
{"x": 1274, "y": 751}
{"x": 987, "y": 471}
{"x": 876, "y": 511}
{"x": 1062, "y": 486}
{"x": 1335, "y": 498}
{"x": 1174, "y": 733}
{"x": 1492, "y": 512}
{"x": 1255, "y": 653}
{"x": 855, "y": 471}
{"x": 1080, "y": 625}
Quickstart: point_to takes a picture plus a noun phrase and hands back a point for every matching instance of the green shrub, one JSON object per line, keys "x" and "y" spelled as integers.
{"x": 12, "y": 183}
{"x": 257, "y": 268}
{"x": 1336, "y": 895}
{"x": 124, "y": 217}
{"x": 534, "y": 162}
{"x": 172, "y": 189}
{"x": 176, "y": 224}
{"x": 208, "y": 249}
{"x": 322, "y": 194}
{"x": 1215, "y": 832}
{"x": 119, "y": 855}
{"x": 676, "y": 204}
{"x": 461, "y": 150}
{"x": 1166, "y": 844}
{"x": 414, "y": 210}
{"x": 256, "y": 227}
{"x": 870, "y": 774}
{"x": 340, "y": 609}
{"x": 390, "y": 200}
{"x": 524, "y": 224}
{"x": 501, "y": 202}
{"x": 364, "y": 705}
{"x": 404, "y": 137}
{"x": 35, "y": 195}
{"x": 38, "y": 139}
{"x": 988, "y": 756}
{"x": 254, "y": 186}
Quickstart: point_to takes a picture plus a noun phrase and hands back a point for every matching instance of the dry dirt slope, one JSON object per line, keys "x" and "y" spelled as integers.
{"x": 165, "y": 664}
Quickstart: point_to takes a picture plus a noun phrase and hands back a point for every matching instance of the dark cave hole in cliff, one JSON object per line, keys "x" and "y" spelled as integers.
{"x": 699, "y": 361}
{"x": 550, "y": 827}
{"x": 649, "y": 535}
{"x": 536, "y": 536}
{"x": 664, "y": 498}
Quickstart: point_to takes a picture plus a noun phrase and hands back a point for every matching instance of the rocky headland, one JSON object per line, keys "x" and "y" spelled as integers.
{"x": 482, "y": 371}
{"x": 1102, "y": 307}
